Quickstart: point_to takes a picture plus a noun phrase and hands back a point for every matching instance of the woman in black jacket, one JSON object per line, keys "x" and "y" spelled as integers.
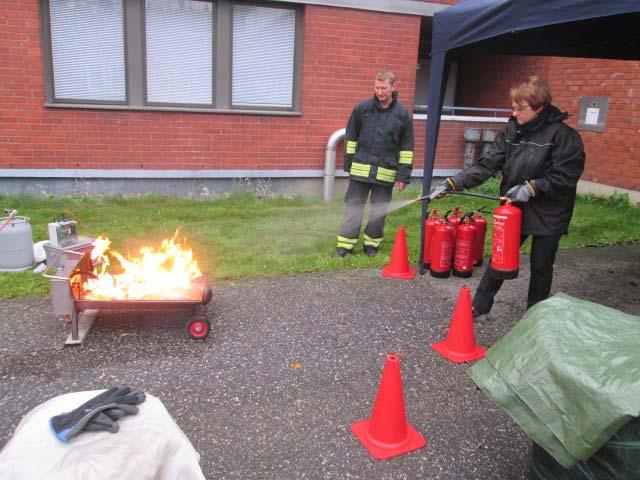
{"x": 541, "y": 159}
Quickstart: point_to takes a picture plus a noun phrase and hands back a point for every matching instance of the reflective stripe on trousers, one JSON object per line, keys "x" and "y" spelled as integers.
{"x": 348, "y": 243}
{"x": 374, "y": 242}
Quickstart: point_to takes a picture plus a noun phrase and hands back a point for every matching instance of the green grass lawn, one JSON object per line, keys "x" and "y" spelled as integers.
{"x": 240, "y": 235}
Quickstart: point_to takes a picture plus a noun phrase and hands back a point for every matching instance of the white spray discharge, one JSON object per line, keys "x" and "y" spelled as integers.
{"x": 292, "y": 232}
{"x": 295, "y": 233}
{"x": 382, "y": 209}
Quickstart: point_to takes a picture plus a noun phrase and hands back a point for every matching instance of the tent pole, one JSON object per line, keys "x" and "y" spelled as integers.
{"x": 438, "y": 73}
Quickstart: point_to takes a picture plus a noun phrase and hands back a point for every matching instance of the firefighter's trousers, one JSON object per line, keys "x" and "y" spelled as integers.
{"x": 354, "y": 203}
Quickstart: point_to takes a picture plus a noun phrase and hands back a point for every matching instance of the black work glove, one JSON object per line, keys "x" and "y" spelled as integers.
{"x": 522, "y": 193}
{"x": 101, "y": 422}
{"x": 107, "y": 419}
{"x": 442, "y": 188}
{"x": 100, "y": 413}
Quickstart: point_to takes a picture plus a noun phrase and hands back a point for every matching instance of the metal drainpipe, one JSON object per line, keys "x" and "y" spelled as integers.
{"x": 330, "y": 163}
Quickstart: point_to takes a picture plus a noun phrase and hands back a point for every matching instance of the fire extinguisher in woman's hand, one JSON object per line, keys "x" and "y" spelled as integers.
{"x": 505, "y": 247}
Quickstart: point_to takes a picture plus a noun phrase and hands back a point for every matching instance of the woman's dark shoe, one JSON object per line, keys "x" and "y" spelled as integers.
{"x": 478, "y": 316}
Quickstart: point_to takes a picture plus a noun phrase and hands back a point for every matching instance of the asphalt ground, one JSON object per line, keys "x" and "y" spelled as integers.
{"x": 293, "y": 361}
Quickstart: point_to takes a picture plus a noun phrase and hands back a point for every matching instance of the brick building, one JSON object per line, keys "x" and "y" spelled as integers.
{"x": 189, "y": 97}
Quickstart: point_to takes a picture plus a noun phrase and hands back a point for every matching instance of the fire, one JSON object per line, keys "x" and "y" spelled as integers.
{"x": 166, "y": 273}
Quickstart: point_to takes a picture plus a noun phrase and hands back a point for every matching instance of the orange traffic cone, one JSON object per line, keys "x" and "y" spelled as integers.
{"x": 460, "y": 345}
{"x": 387, "y": 434}
{"x": 399, "y": 265}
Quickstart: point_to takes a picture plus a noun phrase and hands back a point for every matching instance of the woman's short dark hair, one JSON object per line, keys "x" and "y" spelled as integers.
{"x": 535, "y": 91}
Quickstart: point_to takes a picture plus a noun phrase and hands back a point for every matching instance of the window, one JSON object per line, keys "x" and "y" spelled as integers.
{"x": 422, "y": 85}
{"x": 87, "y": 42}
{"x": 172, "y": 54}
{"x": 263, "y": 43}
{"x": 179, "y": 40}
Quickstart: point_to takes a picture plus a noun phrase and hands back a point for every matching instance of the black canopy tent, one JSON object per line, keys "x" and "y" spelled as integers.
{"x": 564, "y": 28}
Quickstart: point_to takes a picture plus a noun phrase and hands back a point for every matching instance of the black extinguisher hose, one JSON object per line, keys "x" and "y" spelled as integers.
{"x": 469, "y": 194}
{"x": 479, "y": 195}
{"x": 482, "y": 210}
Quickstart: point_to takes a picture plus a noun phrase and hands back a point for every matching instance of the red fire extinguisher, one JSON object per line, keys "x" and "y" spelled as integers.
{"x": 429, "y": 225}
{"x": 442, "y": 249}
{"x": 464, "y": 258}
{"x": 481, "y": 235}
{"x": 454, "y": 219}
{"x": 505, "y": 248}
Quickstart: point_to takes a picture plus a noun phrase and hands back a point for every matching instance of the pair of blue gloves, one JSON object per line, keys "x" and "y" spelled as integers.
{"x": 98, "y": 414}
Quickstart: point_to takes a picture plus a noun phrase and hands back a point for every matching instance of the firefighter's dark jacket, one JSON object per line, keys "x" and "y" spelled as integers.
{"x": 379, "y": 143}
{"x": 544, "y": 150}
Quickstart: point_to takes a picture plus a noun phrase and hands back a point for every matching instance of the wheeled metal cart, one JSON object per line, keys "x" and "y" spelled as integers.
{"x": 68, "y": 299}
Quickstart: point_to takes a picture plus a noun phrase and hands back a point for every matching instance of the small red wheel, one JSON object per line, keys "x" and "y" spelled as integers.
{"x": 199, "y": 328}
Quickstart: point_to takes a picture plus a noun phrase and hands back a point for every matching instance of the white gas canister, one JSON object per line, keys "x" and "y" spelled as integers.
{"x": 16, "y": 244}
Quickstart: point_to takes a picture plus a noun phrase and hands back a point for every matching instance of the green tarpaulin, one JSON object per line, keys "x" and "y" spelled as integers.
{"x": 568, "y": 373}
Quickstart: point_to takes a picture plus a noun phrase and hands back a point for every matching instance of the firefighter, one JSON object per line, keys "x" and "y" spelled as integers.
{"x": 378, "y": 155}
{"x": 541, "y": 159}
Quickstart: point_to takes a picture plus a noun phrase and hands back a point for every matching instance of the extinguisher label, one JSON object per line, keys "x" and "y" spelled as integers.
{"x": 498, "y": 239}
{"x": 463, "y": 254}
{"x": 445, "y": 254}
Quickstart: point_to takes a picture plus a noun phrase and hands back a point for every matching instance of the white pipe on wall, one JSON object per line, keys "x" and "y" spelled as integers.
{"x": 330, "y": 163}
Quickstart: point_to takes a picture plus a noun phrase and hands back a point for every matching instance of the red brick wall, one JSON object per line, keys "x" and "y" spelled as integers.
{"x": 485, "y": 80}
{"x": 342, "y": 50}
{"x": 613, "y": 157}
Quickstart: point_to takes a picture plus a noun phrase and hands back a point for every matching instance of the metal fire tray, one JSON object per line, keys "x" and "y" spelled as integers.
{"x": 137, "y": 304}
{"x": 200, "y": 289}
{"x": 67, "y": 300}
{"x": 86, "y": 310}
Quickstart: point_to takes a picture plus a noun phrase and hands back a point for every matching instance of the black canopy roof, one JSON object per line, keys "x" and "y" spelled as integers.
{"x": 567, "y": 28}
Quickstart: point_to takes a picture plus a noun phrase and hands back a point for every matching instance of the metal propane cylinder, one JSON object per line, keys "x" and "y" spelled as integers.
{"x": 429, "y": 226}
{"x": 442, "y": 249}
{"x": 481, "y": 235}
{"x": 505, "y": 247}
{"x": 464, "y": 259}
{"x": 16, "y": 244}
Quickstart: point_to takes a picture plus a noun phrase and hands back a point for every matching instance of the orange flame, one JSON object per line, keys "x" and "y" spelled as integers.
{"x": 167, "y": 273}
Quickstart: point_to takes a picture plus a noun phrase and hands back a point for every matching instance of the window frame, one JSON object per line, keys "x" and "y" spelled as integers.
{"x": 136, "y": 63}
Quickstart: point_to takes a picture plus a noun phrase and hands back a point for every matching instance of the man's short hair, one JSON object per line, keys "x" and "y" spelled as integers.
{"x": 385, "y": 75}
